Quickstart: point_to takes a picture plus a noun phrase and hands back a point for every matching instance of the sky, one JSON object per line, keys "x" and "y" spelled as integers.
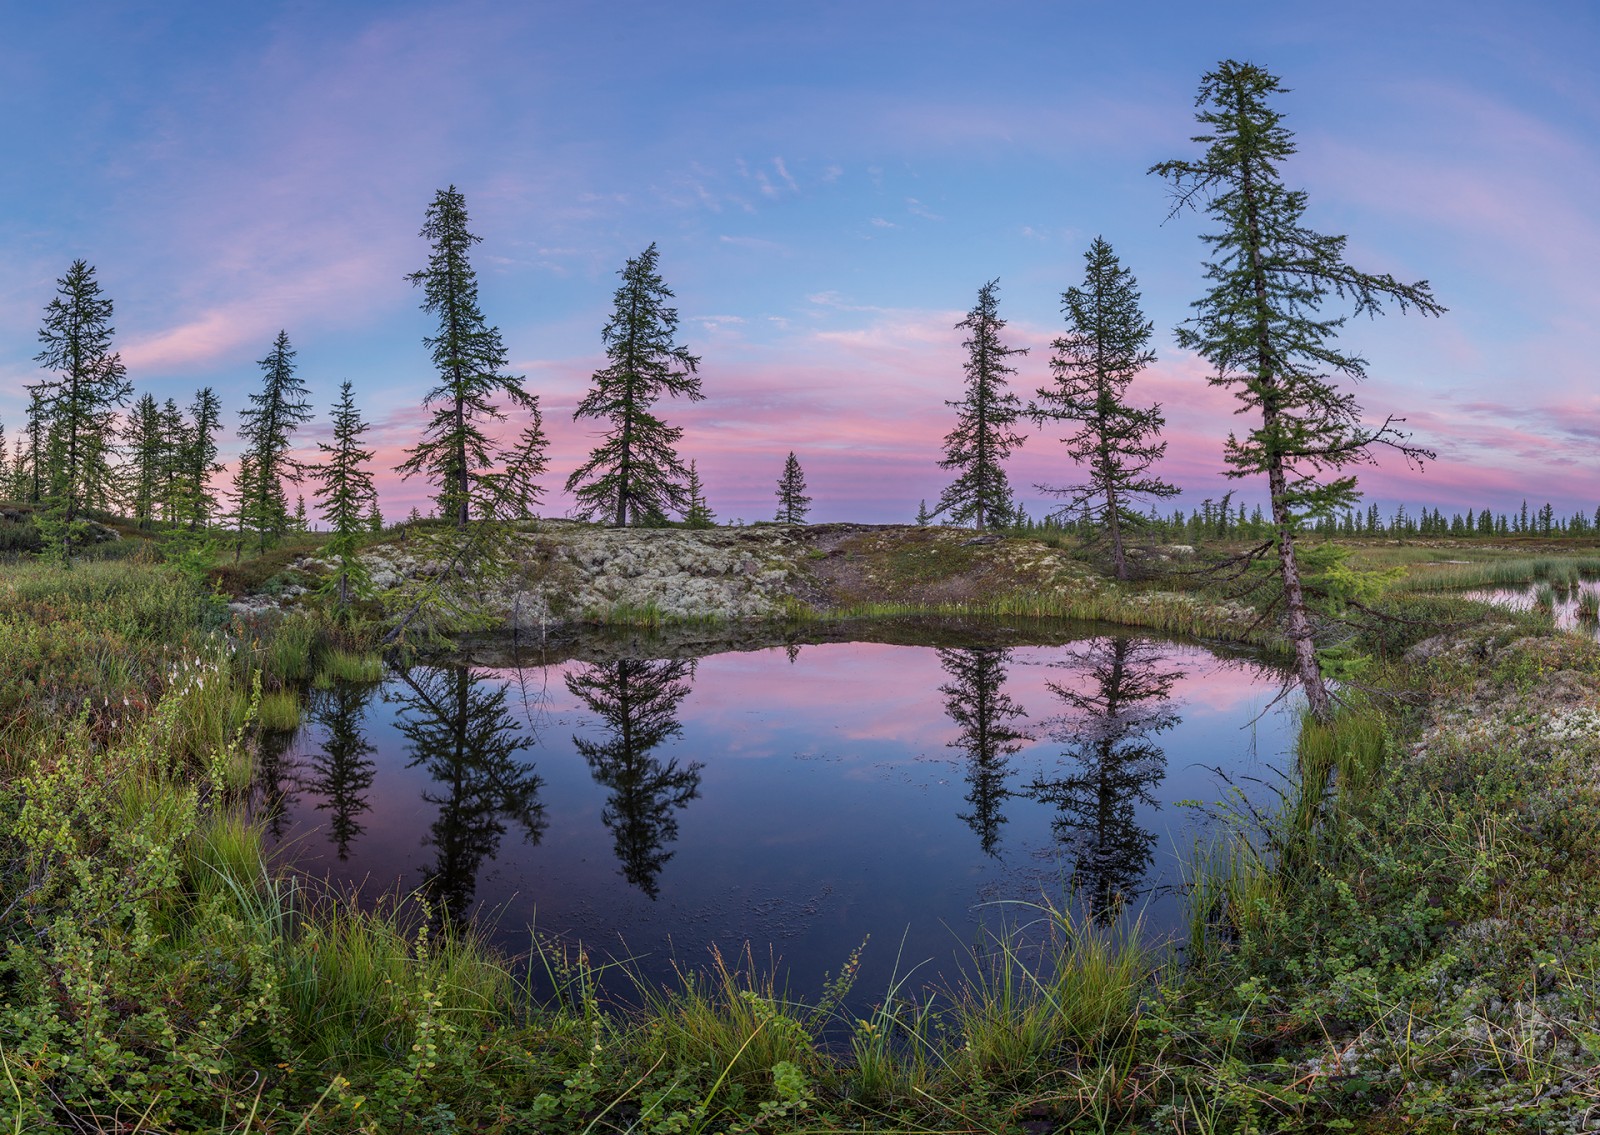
{"x": 828, "y": 185}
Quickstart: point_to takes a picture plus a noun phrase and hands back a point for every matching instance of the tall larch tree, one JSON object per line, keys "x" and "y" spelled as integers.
{"x": 635, "y": 474}
{"x": 345, "y": 494}
{"x": 456, "y": 453}
{"x": 1260, "y": 327}
{"x": 1106, "y": 345}
{"x": 985, "y": 414}
{"x": 75, "y": 409}
{"x": 267, "y": 428}
{"x": 793, "y": 504}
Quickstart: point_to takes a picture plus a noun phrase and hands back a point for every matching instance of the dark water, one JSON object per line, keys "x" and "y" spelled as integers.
{"x": 799, "y": 797}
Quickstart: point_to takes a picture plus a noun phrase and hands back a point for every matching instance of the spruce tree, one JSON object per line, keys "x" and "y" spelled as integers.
{"x": 456, "y": 453}
{"x": 922, "y": 514}
{"x": 142, "y": 437}
{"x": 345, "y": 496}
{"x": 74, "y": 411}
{"x": 1260, "y": 328}
{"x": 698, "y": 514}
{"x": 199, "y": 459}
{"x": 267, "y": 428}
{"x": 793, "y": 504}
{"x": 635, "y": 474}
{"x": 983, "y": 437}
{"x": 1105, "y": 347}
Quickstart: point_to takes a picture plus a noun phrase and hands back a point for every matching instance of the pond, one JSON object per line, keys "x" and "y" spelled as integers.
{"x": 656, "y": 799}
{"x": 1566, "y": 599}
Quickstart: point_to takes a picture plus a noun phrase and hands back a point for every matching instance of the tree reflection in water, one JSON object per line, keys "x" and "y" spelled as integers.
{"x": 976, "y": 702}
{"x": 1108, "y": 730}
{"x": 276, "y": 780}
{"x": 342, "y": 771}
{"x": 457, "y": 727}
{"x": 638, "y": 703}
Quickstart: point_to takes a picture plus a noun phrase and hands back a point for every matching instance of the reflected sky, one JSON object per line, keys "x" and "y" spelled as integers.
{"x": 801, "y": 800}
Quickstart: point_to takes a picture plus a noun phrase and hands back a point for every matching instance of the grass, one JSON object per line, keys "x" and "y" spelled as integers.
{"x": 1408, "y": 942}
{"x": 1502, "y": 572}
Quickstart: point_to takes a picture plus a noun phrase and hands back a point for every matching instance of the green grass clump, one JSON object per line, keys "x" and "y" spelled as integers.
{"x": 279, "y": 710}
{"x": 348, "y": 666}
{"x": 1077, "y": 1003}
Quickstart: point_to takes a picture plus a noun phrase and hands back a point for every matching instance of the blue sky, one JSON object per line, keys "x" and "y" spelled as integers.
{"x": 829, "y": 185}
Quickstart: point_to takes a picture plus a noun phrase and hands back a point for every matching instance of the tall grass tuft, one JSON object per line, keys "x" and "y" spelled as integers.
{"x": 731, "y": 1018}
{"x": 1078, "y": 1002}
{"x": 347, "y": 666}
{"x": 279, "y": 710}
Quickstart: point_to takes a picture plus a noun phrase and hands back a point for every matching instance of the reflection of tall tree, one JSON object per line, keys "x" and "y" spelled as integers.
{"x": 276, "y": 779}
{"x": 638, "y": 701}
{"x": 459, "y": 730}
{"x": 975, "y": 702}
{"x": 1108, "y": 730}
{"x": 343, "y": 771}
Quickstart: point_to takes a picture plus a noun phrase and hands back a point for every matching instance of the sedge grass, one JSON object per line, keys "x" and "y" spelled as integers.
{"x": 1078, "y": 1003}
{"x": 279, "y": 710}
{"x": 1500, "y": 573}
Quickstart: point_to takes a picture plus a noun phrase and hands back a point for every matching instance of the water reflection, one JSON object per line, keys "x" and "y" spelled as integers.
{"x": 276, "y": 780}
{"x": 456, "y": 726}
{"x": 342, "y": 771}
{"x": 1111, "y": 766}
{"x": 637, "y": 702}
{"x": 977, "y": 703}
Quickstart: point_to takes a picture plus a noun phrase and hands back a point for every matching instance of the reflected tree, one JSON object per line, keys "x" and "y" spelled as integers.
{"x": 1115, "y": 765}
{"x": 638, "y": 702}
{"x": 276, "y": 781}
{"x": 458, "y": 728}
{"x": 342, "y": 772}
{"x": 977, "y": 703}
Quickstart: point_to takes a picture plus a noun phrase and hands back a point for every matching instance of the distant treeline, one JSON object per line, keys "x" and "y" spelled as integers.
{"x": 1221, "y": 520}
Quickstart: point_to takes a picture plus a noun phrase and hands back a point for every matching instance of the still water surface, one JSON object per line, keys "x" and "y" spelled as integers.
{"x": 798, "y": 798}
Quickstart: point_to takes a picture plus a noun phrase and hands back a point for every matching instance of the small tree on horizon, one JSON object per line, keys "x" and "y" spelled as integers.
{"x": 983, "y": 437}
{"x": 1259, "y": 327}
{"x": 793, "y": 504}
{"x": 1105, "y": 347}
{"x": 345, "y": 496}
{"x": 698, "y": 514}
{"x": 635, "y": 474}
{"x": 266, "y": 428}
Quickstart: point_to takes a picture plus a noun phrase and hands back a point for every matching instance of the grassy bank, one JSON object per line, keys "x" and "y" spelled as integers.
{"x": 1410, "y": 943}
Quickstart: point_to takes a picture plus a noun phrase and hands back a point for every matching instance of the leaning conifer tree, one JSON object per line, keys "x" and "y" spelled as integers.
{"x": 1105, "y": 347}
{"x": 74, "y": 411}
{"x": 1261, "y": 330}
{"x": 793, "y": 504}
{"x": 470, "y": 358}
{"x": 345, "y": 496}
{"x": 635, "y": 474}
{"x": 267, "y": 428}
{"x": 985, "y": 414}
